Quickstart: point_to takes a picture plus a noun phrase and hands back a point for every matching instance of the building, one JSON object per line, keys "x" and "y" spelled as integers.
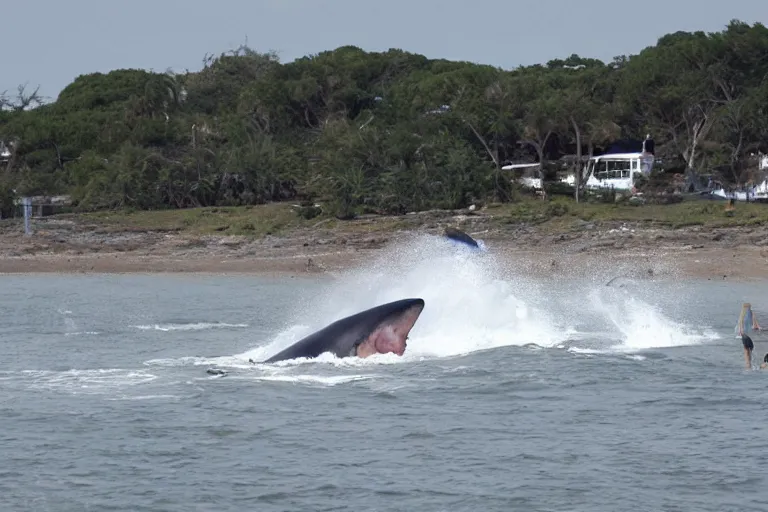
{"x": 5, "y": 152}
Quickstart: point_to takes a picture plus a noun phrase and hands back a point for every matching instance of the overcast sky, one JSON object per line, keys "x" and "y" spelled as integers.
{"x": 50, "y": 42}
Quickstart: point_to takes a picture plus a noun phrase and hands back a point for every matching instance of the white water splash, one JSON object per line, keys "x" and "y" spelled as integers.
{"x": 320, "y": 380}
{"x": 470, "y": 305}
{"x": 199, "y": 326}
{"x": 638, "y": 325}
{"x": 69, "y": 322}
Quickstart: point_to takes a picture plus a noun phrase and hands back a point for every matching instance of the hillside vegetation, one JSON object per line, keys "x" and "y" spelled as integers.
{"x": 387, "y": 132}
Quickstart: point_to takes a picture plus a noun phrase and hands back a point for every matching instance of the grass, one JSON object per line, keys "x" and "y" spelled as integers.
{"x": 564, "y": 213}
{"x": 558, "y": 214}
{"x": 254, "y": 221}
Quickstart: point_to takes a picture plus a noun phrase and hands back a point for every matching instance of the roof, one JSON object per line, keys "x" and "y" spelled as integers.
{"x": 618, "y": 156}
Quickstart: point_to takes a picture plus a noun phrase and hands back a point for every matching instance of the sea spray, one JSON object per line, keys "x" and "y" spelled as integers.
{"x": 470, "y": 304}
{"x": 635, "y": 324}
{"x": 474, "y": 302}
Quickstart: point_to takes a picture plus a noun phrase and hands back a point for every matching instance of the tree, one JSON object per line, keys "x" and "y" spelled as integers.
{"x": 581, "y": 109}
{"x": 385, "y": 132}
{"x": 538, "y": 118}
{"x": 23, "y": 101}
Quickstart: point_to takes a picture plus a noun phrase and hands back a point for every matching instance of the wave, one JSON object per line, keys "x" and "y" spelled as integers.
{"x": 192, "y": 326}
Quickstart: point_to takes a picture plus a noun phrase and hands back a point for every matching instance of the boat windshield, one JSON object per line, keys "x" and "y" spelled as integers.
{"x": 612, "y": 169}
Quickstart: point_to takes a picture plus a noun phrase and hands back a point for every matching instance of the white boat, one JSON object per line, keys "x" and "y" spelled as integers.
{"x": 616, "y": 170}
{"x": 755, "y": 193}
{"x": 531, "y": 174}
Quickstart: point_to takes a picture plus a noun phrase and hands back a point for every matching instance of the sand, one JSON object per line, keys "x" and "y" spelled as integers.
{"x": 64, "y": 245}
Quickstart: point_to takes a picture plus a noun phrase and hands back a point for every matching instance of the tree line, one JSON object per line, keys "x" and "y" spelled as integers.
{"x": 385, "y": 132}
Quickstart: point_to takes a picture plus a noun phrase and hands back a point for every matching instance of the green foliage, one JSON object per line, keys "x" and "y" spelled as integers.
{"x": 7, "y": 198}
{"x": 388, "y": 132}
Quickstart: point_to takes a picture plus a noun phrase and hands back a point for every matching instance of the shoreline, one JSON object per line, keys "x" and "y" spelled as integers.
{"x": 741, "y": 263}
{"x": 71, "y": 245}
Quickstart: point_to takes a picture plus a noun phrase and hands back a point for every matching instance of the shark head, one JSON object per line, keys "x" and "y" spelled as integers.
{"x": 388, "y": 333}
{"x": 382, "y": 329}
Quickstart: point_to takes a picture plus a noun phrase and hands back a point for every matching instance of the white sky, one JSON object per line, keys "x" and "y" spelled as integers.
{"x": 53, "y": 41}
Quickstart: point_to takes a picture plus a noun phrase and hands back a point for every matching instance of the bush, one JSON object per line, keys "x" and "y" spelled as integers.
{"x": 309, "y": 211}
{"x": 557, "y": 209}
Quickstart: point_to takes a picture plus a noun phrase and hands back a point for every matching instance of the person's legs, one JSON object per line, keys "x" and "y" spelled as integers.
{"x": 748, "y": 347}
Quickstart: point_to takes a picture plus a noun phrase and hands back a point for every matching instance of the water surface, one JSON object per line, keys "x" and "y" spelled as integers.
{"x": 514, "y": 395}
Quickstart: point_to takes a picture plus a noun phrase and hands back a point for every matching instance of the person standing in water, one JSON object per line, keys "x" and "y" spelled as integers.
{"x": 747, "y": 323}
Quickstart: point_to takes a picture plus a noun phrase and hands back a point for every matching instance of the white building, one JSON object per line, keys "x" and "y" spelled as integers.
{"x": 5, "y": 152}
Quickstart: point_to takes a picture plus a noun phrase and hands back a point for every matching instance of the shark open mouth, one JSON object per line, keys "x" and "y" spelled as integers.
{"x": 391, "y": 335}
{"x": 378, "y": 330}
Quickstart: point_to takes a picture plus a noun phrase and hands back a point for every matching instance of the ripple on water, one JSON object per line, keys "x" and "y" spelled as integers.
{"x": 589, "y": 426}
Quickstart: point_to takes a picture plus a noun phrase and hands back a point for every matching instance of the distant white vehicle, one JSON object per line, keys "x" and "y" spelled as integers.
{"x": 617, "y": 170}
{"x": 5, "y": 152}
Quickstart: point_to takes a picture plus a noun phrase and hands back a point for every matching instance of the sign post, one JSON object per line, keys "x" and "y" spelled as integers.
{"x": 26, "y": 202}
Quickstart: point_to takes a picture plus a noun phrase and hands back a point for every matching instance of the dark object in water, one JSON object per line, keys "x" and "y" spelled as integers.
{"x": 215, "y": 371}
{"x": 613, "y": 280}
{"x": 381, "y": 329}
{"x": 460, "y": 236}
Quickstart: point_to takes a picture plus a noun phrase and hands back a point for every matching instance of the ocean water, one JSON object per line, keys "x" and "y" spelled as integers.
{"x": 514, "y": 394}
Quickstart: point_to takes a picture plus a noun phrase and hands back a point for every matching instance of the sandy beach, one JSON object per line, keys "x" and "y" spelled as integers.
{"x": 65, "y": 245}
